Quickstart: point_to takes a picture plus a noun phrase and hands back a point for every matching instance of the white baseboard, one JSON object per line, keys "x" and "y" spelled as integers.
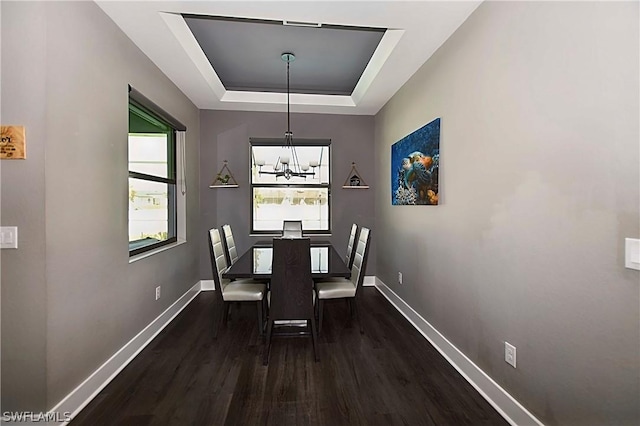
{"x": 505, "y": 404}
{"x": 87, "y": 390}
{"x": 207, "y": 285}
{"x": 369, "y": 281}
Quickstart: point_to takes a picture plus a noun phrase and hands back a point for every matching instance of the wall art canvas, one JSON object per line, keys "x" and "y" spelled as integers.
{"x": 414, "y": 167}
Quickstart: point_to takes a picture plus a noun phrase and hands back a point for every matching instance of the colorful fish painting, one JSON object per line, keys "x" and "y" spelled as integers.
{"x": 414, "y": 167}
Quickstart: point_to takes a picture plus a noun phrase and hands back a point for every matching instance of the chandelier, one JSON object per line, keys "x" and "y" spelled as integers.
{"x": 288, "y": 165}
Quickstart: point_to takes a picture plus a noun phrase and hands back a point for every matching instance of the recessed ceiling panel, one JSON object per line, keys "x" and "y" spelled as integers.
{"x": 246, "y": 54}
{"x": 414, "y": 31}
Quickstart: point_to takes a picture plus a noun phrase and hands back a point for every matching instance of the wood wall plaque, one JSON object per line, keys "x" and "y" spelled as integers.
{"x": 12, "y": 143}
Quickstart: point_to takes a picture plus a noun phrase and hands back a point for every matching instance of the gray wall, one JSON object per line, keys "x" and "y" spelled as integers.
{"x": 70, "y": 297}
{"x": 22, "y": 187}
{"x": 539, "y": 187}
{"x": 225, "y": 136}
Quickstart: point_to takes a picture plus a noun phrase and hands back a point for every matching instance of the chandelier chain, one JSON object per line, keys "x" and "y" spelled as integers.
{"x": 289, "y": 134}
{"x": 288, "y": 165}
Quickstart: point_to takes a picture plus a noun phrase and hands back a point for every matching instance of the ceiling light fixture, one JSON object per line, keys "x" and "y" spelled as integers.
{"x": 287, "y": 165}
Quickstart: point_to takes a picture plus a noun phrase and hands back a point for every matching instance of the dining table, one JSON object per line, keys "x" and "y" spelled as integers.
{"x": 255, "y": 263}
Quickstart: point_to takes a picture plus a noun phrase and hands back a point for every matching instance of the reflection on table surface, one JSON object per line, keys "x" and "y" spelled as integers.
{"x": 262, "y": 257}
{"x": 256, "y": 262}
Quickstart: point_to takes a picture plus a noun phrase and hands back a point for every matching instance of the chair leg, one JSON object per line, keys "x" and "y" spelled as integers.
{"x": 320, "y": 309}
{"x": 267, "y": 346}
{"x": 260, "y": 318}
{"x": 355, "y": 308}
{"x": 316, "y": 303}
{"x": 314, "y": 338}
{"x": 265, "y": 312}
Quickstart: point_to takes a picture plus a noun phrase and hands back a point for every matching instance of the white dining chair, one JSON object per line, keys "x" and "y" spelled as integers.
{"x": 230, "y": 245}
{"x": 350, "y": 245}
{"x": 240, "y": 290}
{"x": 346, "y": 288}
{"x": 292, "y": 229}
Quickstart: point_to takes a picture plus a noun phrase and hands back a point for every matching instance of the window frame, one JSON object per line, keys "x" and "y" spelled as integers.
{"x": 296, "y": 143}
{"x": 152, "y": 114}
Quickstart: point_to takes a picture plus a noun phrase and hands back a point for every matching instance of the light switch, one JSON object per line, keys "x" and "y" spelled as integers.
{"x": 632, "y": 253}
{"x": 8, "y": 237}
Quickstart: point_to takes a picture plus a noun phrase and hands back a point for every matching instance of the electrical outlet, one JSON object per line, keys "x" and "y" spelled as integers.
{"x": 9, "y": 237}
{"x": 510, "y": 354}
{"x": 400, "y": 277}
{"x": 157, "y": 292}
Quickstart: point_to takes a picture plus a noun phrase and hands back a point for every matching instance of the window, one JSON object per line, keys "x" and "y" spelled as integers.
{"x": 152, "y": 179}
{"x": 275, "y": 198}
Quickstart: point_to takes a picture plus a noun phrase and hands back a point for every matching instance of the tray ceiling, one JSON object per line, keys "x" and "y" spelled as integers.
{"x": 351, "y": 57}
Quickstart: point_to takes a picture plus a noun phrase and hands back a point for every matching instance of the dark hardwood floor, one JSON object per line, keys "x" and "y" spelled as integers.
{"x": 390, "y": 375}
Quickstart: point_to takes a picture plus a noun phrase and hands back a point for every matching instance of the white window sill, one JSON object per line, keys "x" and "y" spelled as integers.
{"x": 155, "y": 251}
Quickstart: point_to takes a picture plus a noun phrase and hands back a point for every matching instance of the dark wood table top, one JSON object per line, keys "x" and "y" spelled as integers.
{"x": 256, "y": 262}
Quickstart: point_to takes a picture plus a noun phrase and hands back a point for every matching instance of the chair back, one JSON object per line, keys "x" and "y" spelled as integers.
{"x": 360, "y": 258}
{"x": 350, "y": 245}
{"x": 218, "y": 260}
{"x": 292, "y": 229}
{"x": 291, "y": 281}
{"x": 230, "y": 245}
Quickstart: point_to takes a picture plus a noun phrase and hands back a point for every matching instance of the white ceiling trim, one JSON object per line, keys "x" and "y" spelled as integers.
{"x": 418, "y": 29}
{"x": 179, "y": 28}
{"x": 389, "y": 41}
{"x": 281, "y": 98}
